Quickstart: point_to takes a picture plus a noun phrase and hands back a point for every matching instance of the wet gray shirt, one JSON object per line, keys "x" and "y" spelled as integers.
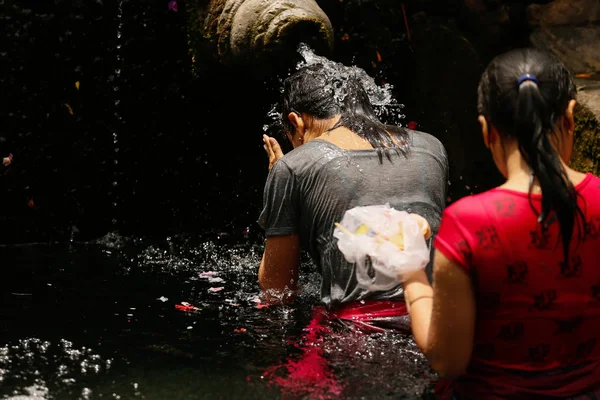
{"x": 311, "y": 187}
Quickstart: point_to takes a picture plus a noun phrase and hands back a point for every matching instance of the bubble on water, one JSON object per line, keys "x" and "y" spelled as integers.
{"x": 35, "y": 392}
{"x": 86, "y": 394}
{"x": 29, "y": 363}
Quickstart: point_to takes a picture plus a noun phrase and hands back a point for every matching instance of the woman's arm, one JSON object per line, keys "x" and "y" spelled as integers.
{"x": 443, "y": 316}
{"x": 278, "y": 272}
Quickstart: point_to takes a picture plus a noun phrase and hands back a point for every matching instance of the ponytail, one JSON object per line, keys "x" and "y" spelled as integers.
{"x": 534, "y": 122}
{"x": 519, "y": 106}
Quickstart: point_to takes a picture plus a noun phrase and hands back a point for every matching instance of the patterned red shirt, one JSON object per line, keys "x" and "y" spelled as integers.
{"x": 538, "y": 318}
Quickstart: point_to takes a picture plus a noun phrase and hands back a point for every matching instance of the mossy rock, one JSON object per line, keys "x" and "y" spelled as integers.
{"x": 586, "y": 151}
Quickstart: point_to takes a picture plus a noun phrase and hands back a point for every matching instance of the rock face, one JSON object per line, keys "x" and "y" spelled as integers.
{"x": 571, "y": 30}
{"x": 257, "y": 31}
{"x": 586, "y": 154}
{"x": 564, "y": 12}
{"x": 577, "y": 46}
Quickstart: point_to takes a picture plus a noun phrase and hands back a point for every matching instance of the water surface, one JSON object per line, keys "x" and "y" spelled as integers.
{"x": 99, "y": 320}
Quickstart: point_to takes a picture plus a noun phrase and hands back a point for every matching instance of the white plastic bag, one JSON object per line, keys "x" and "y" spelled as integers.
{"x": 383, "y": 243}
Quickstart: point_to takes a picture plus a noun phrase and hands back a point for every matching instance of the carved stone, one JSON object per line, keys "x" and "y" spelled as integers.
{"x": 252, "y": 31}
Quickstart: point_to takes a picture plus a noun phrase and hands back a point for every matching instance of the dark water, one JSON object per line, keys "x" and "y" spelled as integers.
{"x": 98, "y": 320}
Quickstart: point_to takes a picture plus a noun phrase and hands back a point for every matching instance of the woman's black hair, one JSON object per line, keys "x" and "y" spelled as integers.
{"x": 528, "y": 108}
{"x": 317, "y": 91}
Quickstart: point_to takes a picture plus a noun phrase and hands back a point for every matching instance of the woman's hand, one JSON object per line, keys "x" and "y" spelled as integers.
{"x": 423, "y": 224}
{"x": 273, "y": 150}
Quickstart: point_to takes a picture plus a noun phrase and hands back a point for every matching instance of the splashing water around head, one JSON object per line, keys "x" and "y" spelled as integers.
{"x": 386, "y": 107}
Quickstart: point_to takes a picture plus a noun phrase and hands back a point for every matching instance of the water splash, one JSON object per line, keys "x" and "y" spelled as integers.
{"x": 386, "y": 107}
{"x": 380, "y": 96}
{"x": 117, "y": 114}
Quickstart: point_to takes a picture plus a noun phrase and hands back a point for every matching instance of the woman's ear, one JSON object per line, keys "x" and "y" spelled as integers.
{"x": 297, "y": 136}
{"x": 484, "y": 130}
{"x": 296, "y": 120}
{"x": 569, "y": 120}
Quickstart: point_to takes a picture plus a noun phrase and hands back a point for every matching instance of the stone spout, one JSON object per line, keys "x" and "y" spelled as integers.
{"x": 255, "y": 31}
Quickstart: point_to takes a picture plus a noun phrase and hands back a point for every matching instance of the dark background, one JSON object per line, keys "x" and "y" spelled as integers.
{"x": 151, "y": 148}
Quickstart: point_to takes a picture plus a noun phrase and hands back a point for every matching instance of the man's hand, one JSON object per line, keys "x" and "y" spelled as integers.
{"x": 273, "y": 150}
{"x": 6, "y": 161}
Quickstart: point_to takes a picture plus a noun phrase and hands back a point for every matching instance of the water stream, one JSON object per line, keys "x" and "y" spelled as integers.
{"x": 118, "y": 118}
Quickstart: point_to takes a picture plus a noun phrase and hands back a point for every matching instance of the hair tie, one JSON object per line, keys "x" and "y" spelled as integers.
{"x": 525, "y": 78}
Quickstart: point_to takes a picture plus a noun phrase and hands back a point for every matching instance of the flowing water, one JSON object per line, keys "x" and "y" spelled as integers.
{"x": 118, "y": 119}
{"x": 126, "y": 318}
{"x": 386, "y": 107}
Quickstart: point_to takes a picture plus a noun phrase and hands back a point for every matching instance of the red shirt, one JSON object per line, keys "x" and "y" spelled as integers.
{"x": 538, "y": 318}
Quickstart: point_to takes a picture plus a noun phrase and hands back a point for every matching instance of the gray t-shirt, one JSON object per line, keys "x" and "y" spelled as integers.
{"x": 311, "y": 188}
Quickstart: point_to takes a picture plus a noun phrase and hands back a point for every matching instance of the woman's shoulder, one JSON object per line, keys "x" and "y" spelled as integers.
{"x": 473, "y": 205}
{"x": 590, "y": 181}
{"x": 310, "y": 153}
{"x": 424, "y": 139}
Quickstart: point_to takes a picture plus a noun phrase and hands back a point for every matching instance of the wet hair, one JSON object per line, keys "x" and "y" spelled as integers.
{"x": 315, "y": 91}
{"x": 528, "y": 109}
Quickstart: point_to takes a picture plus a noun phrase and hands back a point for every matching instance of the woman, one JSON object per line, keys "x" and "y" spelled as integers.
{"x": 343, "y": 157}
{"x": 515, "y": 307}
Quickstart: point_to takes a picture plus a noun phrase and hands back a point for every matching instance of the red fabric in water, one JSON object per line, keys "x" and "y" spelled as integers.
{"x": 310, "y": 374}
{"x": 371, "y": 309}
